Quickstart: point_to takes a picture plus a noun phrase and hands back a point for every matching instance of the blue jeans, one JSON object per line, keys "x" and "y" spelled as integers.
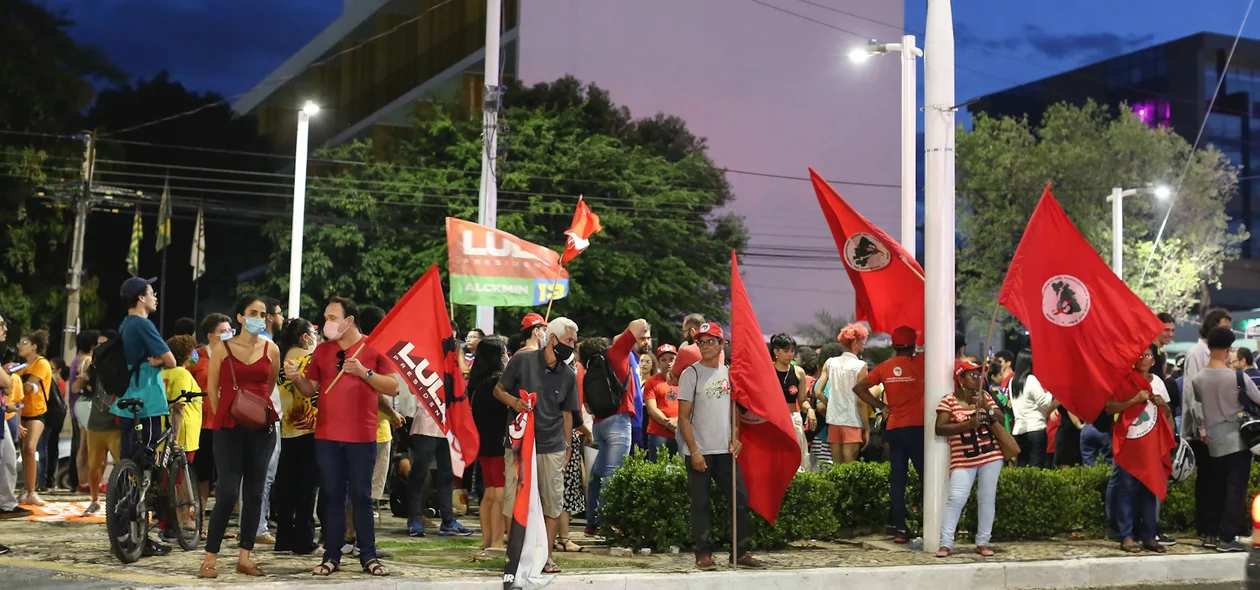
{"x": 147, "y": 436}
{"x": 657, "y": 444}
{"x": 1095, "y": 445}
{"x": 905, "y": 446}
{"x": 613, "y": 437}
{"x": 346, "y": 468}
{"x": 1135, "y": 508}
{"x": 1032, "y": 448}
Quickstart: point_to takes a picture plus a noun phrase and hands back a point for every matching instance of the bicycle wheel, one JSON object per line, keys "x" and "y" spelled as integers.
{"x": 126, "y": 521}
{"x": 184, "y": 504}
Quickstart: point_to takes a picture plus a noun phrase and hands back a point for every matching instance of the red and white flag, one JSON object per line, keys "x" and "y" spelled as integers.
{"x": 1087, "y": 328}
{"x": 584, "y": 225}
{"x": 770, "y": 455}
{"x": 527, "y": 535}
{"x": 416, "y": 337}
{"x": 887, "y": 281}
{"x": 1142, "y": 439}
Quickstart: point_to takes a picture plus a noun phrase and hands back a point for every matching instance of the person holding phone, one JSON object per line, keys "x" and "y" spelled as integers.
{"x": 966, "y": 417}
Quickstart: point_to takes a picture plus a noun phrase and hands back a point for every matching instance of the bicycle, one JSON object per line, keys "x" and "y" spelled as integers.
{"x": 152, "y": 482}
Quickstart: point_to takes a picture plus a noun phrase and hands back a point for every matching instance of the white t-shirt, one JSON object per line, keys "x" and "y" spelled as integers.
{"x": 1158, "y": 388}
{"x": 842, "y": 403}
{"x": 1030, "y": 407}
{"x": 421, "y": 422}
{"x": 709, "y": 391}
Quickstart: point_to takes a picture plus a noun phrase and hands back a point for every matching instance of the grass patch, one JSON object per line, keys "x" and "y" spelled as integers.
{"x": 434, "y": 543}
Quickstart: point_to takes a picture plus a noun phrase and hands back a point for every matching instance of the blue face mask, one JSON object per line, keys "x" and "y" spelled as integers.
{"x": 255, "y": 326}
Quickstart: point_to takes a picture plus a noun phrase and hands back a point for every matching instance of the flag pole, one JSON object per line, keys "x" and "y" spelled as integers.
{"x": 551, "y": 293}
{"x": 989, "y": 336}
{"x": 734, "y": 487}
{"x": 162, "y": 311}
{"x": 911, "y": 267}
{"x": 343, "y": 370}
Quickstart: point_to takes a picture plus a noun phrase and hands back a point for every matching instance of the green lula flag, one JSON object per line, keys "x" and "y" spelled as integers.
{"x": 493, "y": 267}
{"x": 133, "y": 252}
{"x": 164, "y": 219}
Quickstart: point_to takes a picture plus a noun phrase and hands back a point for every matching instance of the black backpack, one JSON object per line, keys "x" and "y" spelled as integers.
{"x": 56, "y": 402}
{"x": 600, "y": 386}
{"x": 110, "y": 377}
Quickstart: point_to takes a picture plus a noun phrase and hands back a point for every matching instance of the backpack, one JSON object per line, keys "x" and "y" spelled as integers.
{"x": 56, "y": 401}
{"x": 602, "y": 390}
{"x": 109, "y": 376}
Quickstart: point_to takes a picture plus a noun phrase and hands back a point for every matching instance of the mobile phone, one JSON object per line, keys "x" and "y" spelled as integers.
{"x": 17, "y": 367}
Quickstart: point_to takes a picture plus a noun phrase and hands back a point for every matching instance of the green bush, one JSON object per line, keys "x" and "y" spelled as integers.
{"x": 649, "y": 506}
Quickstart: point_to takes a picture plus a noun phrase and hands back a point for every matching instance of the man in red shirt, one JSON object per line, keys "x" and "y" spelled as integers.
{"x": 660, "y": 401}
{"x": 902, "y": 378}
{"x": 347, "y": 376}
{"x": 611, "y": 434}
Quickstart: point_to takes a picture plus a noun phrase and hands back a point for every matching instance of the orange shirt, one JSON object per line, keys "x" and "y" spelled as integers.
{"x": 37, "y": 404}
{"x": 902, "y": 378}
{"x": 666, "y": 396}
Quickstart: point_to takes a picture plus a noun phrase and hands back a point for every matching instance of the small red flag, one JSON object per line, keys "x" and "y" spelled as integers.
{"x": 1142, "y": 439}
{"x": 887, "y": 282}
{"x": 770, "y": 455}
{"x": 585, "y": 224}
{"x": 416, "y": 337}
{"x": 1087, "y": 328}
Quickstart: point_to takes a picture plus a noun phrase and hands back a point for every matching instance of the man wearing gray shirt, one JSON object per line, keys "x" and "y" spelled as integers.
{"x": 704, "y": 419}
{"x": 1218, "y": 387}
{"x": 1193, "y": 429}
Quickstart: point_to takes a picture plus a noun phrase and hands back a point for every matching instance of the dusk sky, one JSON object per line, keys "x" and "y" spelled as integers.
{"x": 734, "y": 69}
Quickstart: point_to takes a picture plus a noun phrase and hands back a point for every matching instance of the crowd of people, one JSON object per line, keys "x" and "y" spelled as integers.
{"x": 305, "y": 426}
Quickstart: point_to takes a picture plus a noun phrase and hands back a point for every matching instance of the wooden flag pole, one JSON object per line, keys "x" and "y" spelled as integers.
{"x": 911, "y": 266}
{"x": 989, "y": 336}
{"x": 343, "y": 370}
{"x": 734, "y": 487}
{"x": 551, "y": 293}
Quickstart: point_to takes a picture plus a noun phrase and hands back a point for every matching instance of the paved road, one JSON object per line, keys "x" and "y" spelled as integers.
{"x": 29, "y": 578}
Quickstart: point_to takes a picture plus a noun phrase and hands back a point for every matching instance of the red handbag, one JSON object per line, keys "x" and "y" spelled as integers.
{"x": 249, "y": 409}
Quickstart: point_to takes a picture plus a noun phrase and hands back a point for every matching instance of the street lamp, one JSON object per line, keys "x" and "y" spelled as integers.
{"x": 908, "y": 103}
{"x": 299, "y": 208}
{"x": 1116, "y": 198}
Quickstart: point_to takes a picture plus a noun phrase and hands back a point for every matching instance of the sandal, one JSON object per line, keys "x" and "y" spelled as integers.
{"x": 1129, "y": 546}
{"x": 374, "y": 567}
{"x": 551, "y": 568}
{"x": 1154, "y": 547}
{"x": 208, "y": 572}
{"x": 564, "y": 545}
{"x": 984, "y": 551}
{"x": 327, "y": 568}
{"x": 944, "y": 552}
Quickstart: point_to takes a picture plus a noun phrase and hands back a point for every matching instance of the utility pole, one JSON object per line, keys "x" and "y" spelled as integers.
{"x": 74, "y": 281}
{"x": 487, "y": 200}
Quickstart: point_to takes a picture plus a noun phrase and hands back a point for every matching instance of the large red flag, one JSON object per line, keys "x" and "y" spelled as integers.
{"x": 1087, "y": 327}
{"x": 585, "y": 224}
{"x": 527, "y": 536}
{"x": 770, "y": 455}
{"x": 1142, "y": 439}
{"x": 887, "y": 281}
{"x": 416, "y": 336}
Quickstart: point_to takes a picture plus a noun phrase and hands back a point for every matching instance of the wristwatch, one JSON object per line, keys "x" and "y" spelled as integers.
{"x": 369, "y": 375}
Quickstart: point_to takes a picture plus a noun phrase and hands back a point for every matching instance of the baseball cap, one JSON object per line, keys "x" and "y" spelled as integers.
{"x": 961, "y": 367}
{"x": 903, "y": 337}
{"x": 135, "y": 286}
{"x": 666, "y": 349}
{"x": 532, "y": 320}
{"x": 710, "y": 329}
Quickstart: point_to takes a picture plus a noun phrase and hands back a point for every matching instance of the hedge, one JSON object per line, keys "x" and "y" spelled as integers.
{"x": 646, "y": 504}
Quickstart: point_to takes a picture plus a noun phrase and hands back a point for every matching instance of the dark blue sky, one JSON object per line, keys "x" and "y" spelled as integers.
{"x": 229, "y": 45}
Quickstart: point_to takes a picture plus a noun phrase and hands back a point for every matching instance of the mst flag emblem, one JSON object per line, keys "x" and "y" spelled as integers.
{"x": 864, "y": 252}
{"x": 1064, "y": 300}
{"x": 1144, "y": 423}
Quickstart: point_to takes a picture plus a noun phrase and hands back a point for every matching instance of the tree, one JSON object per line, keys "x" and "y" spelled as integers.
{"x": 1004, "y": 164}
{"x": 825, "y": 327}
{"x": 376, "y": 209}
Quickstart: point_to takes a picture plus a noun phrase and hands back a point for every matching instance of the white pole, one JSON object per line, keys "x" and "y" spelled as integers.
{"x": 908, "y": 127}
{"x": 938, "y": 246}
{"x": 1117, "y": 231}
{"x": 487, "y": 202}
{"x": 299, "y": 214}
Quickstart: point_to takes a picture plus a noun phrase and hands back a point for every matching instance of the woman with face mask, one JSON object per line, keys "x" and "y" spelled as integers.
{"x": 968, "y": 418}
{"x": 293, "y": 493}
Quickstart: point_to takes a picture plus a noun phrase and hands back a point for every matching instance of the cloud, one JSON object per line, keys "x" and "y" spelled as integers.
{"x": 1081, "y": 47}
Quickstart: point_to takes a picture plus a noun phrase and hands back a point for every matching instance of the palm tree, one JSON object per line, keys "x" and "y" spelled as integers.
{"x": 823, "y": 329}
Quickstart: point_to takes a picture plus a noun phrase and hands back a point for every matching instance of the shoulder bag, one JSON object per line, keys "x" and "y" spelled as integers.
{"x": 249, "y": 409}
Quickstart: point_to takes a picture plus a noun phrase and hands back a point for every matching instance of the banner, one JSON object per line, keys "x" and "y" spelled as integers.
{"x": 492, "y": 267}
{"x": 416, "y": 337}
{"x": 527, "y": 536}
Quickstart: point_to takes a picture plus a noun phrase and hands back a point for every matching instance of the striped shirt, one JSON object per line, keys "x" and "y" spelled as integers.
{"x": 969, "y": 448}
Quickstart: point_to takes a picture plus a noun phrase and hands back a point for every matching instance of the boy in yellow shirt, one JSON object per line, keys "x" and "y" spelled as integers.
{"x": 186, "y": 416}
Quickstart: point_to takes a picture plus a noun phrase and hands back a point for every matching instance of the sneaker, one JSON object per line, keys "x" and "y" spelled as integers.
{"x": 591, "y": 531}
{"x": 3, "y": 550}
{"x": 902, "y": 536}
{"x": 705, "y": 563}
{"x": 383, "y": 554}
{"x": 1211, "y": 542}
{"x": 1231, "y": 546}
{"x": 747, "y": 560}
{"x": 32, "y": 500}
{"x": 453, "y": 529}
{"x": 16, "y": 512}
{"x": 166, "y": 536}
{"x": 92, "y": 509}
{"x": 415, "y": 528}
{"x": 1165, "y": 540}
{"x": 153, "y": 549}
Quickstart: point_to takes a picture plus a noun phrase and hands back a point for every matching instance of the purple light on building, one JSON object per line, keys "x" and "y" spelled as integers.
{"x": 1155, "y": 113}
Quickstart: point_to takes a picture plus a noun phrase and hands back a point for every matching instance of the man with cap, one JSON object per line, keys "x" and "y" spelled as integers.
{"x": 143, "y": 347}
{"x": 533, "y": 331}
{"x": 660, "y": 401}
{"x": 902, "y": 378}
{"x": 711, "y": 447}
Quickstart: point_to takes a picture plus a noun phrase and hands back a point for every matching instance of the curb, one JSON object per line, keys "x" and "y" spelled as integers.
{"x": 1097, "y": 572}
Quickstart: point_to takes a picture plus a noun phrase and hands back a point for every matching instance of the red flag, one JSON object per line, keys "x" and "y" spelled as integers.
{"x": 585, "y": 224}
{"x": 416, "y": 336}
{"x": 887, "y": 281}
{"x": 527, "y": 538}
{"x": 1142, "y": 440}
{"x": 770, "y": 455}
{"x": 1087, "y": 327}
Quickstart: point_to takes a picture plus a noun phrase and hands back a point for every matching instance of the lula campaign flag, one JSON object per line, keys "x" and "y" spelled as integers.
{"x": 527, "y": 535}
{"x": 416, "y": 337}
{"x": 492, "y": 267}
{"x": 577, "y": 237}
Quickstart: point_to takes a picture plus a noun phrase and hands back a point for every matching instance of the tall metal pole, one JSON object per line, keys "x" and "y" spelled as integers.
{"x": 909, "y": 101}
{"x": 938, "y": 246}
{"x": 73, "y": 283}
{"x": 487, "y": 200}
{"x": 299, "y": 214}
{"x": 1117, "y": 231}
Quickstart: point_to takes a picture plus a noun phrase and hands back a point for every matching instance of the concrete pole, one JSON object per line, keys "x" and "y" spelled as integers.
{"x": 299, "y": 210}
{"x": 487, "y": 201}
{"x": 1117, "y": 231}
{"x": 74, "y": 281}
{"x": 909, "y": 100}
{"x": 938, "y": 69}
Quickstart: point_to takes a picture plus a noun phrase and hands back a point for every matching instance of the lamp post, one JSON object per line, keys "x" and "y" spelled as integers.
{"x": 909, "y": 102}
{"x": 488, "y": 194}
{"x": 1116, "y": 198}
{"x": 299, "y": 208}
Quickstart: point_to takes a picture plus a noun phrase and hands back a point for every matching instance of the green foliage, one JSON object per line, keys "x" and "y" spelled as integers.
{"x": 1004, "y": 165}
{"x": 375, "y": 211}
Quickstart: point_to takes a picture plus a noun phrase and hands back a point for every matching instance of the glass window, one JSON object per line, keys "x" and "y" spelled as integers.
{"x": 1209, "y": 82}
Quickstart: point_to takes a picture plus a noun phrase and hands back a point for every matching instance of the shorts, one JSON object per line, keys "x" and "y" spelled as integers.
{"x": 42, "y": 418}
{"x": 380, "y": 470}
{"x": 101, "y": 442}
{"x": 550, "y": 476}
{"x": 492, "y": 471}
{"x": 82, "y": 411}
{"x": 844, "y": 435}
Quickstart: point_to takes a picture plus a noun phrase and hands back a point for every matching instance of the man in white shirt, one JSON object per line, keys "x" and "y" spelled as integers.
{"x": 1193, "y": 428}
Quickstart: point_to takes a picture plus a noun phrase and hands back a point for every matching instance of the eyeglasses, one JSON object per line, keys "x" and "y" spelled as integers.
{"x": 1147, "y": 356}
{"x": 708, "y": 342}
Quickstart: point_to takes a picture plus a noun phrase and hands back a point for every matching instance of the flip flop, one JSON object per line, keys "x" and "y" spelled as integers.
{"x": 984, "y": 551}
{"x": 551, "y": 568}
{"x": 374, "y": 567}
{"x": 944, "y": 552}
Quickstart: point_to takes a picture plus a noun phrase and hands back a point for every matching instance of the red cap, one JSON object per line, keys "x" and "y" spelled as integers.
{"x": 666, "y": 349}
{"x": 532, "y": 320}
{"x": 709, "y": 329}
{"x": 961, "y": 367}
{"x": 903, "y": 337}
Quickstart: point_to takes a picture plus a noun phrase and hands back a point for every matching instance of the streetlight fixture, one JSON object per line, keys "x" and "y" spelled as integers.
{"x": 908, "y": 127}
{"x": 299, "y": 207}
{"x": 1116, "y": 198}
